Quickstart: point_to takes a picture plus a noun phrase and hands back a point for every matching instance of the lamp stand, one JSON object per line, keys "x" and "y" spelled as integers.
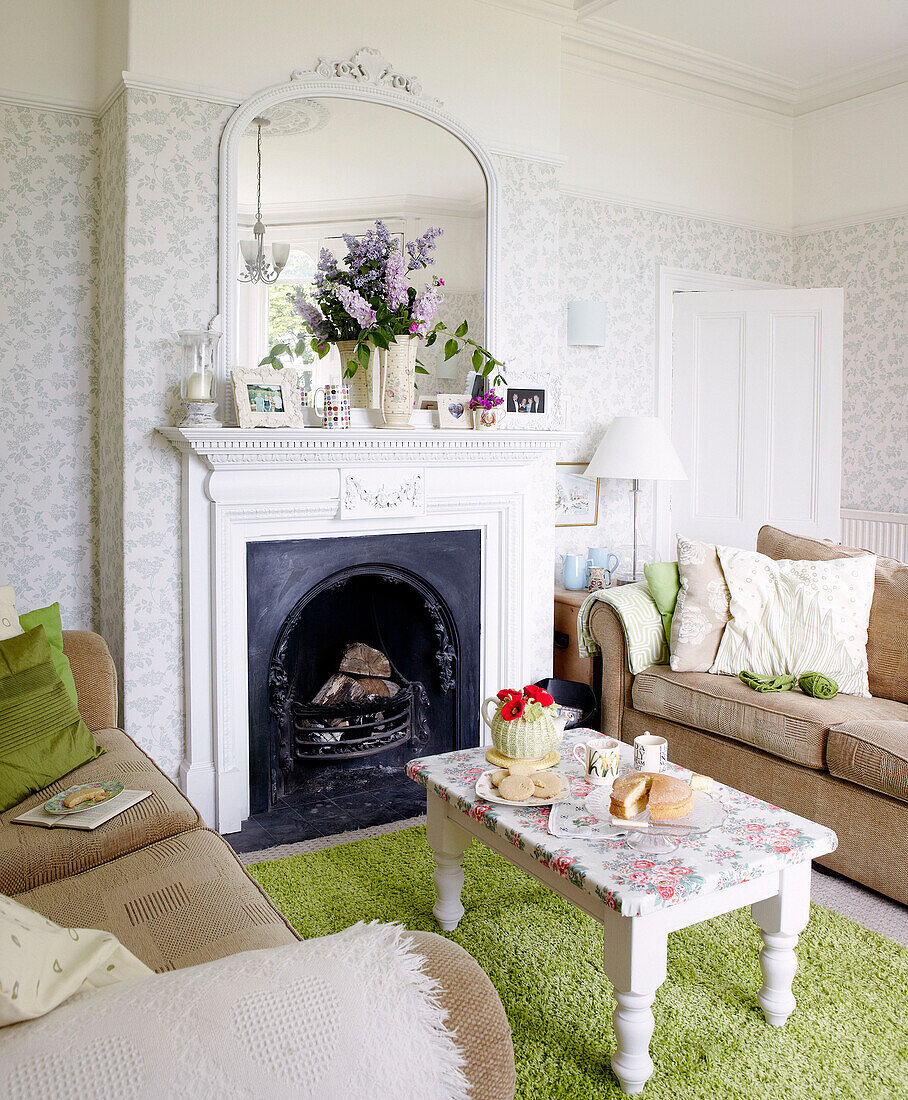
{"x": 635, "y": 493}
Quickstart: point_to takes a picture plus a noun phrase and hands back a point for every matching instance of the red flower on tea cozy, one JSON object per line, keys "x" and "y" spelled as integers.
{"x": 508, "y": 693}
{"x": 538, "y": 695}
{"x": 512, "y": 708}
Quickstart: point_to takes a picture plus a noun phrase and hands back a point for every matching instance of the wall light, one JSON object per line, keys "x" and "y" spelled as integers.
{"x": 586, "y": 324}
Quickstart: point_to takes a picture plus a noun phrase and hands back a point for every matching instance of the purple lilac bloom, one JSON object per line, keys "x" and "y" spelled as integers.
{"x": 425, "y": 307}
{"x": 396, "y": 280}
{"x": 367, "y": 258}
{"x": 312, "y": 316}
{"x": 421, "y": 248}
{"x": 356, "y": 305}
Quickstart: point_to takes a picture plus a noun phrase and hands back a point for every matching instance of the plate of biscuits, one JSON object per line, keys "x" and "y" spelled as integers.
{"x": 83, "y": 797}
{"x": 520, "y": 786}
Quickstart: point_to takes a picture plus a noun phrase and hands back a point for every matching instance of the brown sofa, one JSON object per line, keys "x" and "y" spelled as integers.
{"x": 174, "y": 893}
{"x": 842, "y": 762}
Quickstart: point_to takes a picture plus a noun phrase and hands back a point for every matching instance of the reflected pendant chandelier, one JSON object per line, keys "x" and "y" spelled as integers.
{"x": 257, "y": 267}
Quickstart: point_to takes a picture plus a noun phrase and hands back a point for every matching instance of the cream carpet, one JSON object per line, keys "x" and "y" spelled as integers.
{"x": 872, "y": 910}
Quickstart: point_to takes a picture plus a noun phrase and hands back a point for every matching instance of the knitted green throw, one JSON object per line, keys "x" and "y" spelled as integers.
{"x": 767, "y": 683}
{"x": 818, "y": 685}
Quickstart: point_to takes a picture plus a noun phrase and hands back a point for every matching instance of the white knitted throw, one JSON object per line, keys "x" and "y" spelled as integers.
{"x": 344, "y": 1017}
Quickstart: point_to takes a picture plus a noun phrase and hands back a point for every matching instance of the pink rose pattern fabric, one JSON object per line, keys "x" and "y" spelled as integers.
{"x": 755, "y": 839}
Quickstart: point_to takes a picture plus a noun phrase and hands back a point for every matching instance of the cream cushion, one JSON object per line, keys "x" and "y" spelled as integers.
{"x": 9, "y": 616}
{"x": 791, "y": 617}
{"x": 42, "y": 964}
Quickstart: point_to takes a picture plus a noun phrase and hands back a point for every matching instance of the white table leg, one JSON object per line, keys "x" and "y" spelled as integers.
{"x": 634, "y": 960}
{"x": 448, "y": 843}
{"x": 782, "y": 918}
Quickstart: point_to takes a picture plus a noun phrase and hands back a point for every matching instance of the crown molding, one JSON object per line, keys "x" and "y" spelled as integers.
{"x": 882, "y": 74}
{"x": 589, "y": 60}
{"x": 47, "y": 103}
{"x": 648, "y": 53}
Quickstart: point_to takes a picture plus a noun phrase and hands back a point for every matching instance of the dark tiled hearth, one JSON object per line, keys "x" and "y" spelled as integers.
{"x": 296, "y": 817}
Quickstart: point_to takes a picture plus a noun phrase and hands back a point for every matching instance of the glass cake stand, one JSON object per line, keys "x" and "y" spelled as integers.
{"x": 642, "y": 836}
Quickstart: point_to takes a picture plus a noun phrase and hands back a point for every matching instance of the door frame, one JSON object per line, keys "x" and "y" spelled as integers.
{"x": 669, "y": 280}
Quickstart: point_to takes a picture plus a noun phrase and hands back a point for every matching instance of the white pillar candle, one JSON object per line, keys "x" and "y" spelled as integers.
{"x": 198, "y": 386}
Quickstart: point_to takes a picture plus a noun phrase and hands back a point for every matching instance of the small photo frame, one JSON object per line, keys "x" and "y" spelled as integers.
{"x": 526, "y": 399}
{"x": 576, "y": 496}
{"x": 454, "y": 410}
{"x": 267, "y": 398}
{"x": 428, "y": 403}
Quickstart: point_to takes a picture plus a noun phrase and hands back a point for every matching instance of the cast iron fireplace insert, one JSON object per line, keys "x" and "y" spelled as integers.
{"x": 323, "y": 735}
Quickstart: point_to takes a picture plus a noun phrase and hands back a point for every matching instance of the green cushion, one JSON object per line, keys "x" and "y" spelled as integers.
{"x": 42, "y": 737}
{"x": 664, "y": 584}
{"x": 49, "y": 618}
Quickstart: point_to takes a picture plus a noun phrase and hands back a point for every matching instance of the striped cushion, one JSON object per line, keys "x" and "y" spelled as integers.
{"x": 42, "y": 735}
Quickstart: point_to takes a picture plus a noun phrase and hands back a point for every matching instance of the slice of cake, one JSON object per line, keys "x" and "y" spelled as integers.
{"x": 668, "y": 798}
{"x": 628, "y": 795}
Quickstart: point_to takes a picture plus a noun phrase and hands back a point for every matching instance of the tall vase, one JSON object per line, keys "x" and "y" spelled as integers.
{"x": 398, "y": 379}
{"x": 362, "y": 394}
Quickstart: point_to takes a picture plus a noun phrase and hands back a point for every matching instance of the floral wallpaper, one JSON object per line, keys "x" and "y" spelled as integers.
{"x": 170, "y": 278}
{"x": 48, "y": 478}
{"x": 610, "y": 253}
{"x": 109, "y": 533}
{"x": 871, "y": 262}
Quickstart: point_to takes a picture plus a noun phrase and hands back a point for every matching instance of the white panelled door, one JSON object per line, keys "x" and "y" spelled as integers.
{"x": 757, "y": 413}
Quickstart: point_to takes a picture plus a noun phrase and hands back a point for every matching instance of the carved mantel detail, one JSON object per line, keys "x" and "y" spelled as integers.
{"x": 367, "y": 66}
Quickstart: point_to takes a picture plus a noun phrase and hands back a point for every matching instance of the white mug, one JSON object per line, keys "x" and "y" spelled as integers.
{"x": 650, "y": 753}
{"x": 600, "y": 757}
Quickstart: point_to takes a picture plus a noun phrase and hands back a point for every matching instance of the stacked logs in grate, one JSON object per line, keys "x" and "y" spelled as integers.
{"x": 363, "y": 677}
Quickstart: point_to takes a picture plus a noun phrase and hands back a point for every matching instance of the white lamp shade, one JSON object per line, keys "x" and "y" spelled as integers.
{"x": 637, "y": 447}
{"x": 280, "y": 254}
{"x": 249, "y": 250}
{"x": 586, "y": 324}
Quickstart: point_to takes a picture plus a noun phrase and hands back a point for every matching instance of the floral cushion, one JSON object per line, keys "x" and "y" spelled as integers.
{"x": 701, "y": 611}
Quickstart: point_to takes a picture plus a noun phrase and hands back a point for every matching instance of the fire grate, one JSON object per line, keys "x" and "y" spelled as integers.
{"x": 359, "y": 729}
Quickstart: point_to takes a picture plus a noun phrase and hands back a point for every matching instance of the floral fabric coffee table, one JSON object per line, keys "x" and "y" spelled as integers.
{"x": 760, "y": 856}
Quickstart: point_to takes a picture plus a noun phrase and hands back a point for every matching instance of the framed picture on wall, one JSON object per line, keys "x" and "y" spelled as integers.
{"x": 576, "y": 496}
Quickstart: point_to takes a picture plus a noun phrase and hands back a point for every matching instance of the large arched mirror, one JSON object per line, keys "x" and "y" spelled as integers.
{"x": 328, "y": 154}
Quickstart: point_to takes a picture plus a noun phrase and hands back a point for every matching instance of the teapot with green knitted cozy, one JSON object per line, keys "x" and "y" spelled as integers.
{"x": 524, "y": 724}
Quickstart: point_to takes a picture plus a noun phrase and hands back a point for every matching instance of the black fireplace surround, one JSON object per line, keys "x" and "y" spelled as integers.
{"x": 414, "y": 598}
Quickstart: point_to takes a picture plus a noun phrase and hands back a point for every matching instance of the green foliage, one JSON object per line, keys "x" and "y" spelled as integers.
{"x": 483, "y": 361}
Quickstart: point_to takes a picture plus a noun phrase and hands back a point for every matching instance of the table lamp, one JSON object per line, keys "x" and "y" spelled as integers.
{"x": 638, "y": 448}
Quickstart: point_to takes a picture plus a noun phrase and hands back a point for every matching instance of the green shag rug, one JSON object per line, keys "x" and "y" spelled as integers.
{"x": 847, "y": 1040}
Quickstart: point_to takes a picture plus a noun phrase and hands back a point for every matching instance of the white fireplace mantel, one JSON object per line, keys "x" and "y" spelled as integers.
{"x": 246, "y": 485}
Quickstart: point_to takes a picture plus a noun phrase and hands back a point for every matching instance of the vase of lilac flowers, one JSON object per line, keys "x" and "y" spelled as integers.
{"x": 488, "y": 411}
{"x": 368, "y": 304}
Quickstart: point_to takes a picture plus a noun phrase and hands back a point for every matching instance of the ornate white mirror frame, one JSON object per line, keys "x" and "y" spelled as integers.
{"x": 366, "y": 76}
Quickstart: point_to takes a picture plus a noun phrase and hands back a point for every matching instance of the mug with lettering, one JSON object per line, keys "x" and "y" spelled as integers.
{"x": 650, "y": 753}
{"x": 600, "y": 757}
{"x": 335, "y": 410}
